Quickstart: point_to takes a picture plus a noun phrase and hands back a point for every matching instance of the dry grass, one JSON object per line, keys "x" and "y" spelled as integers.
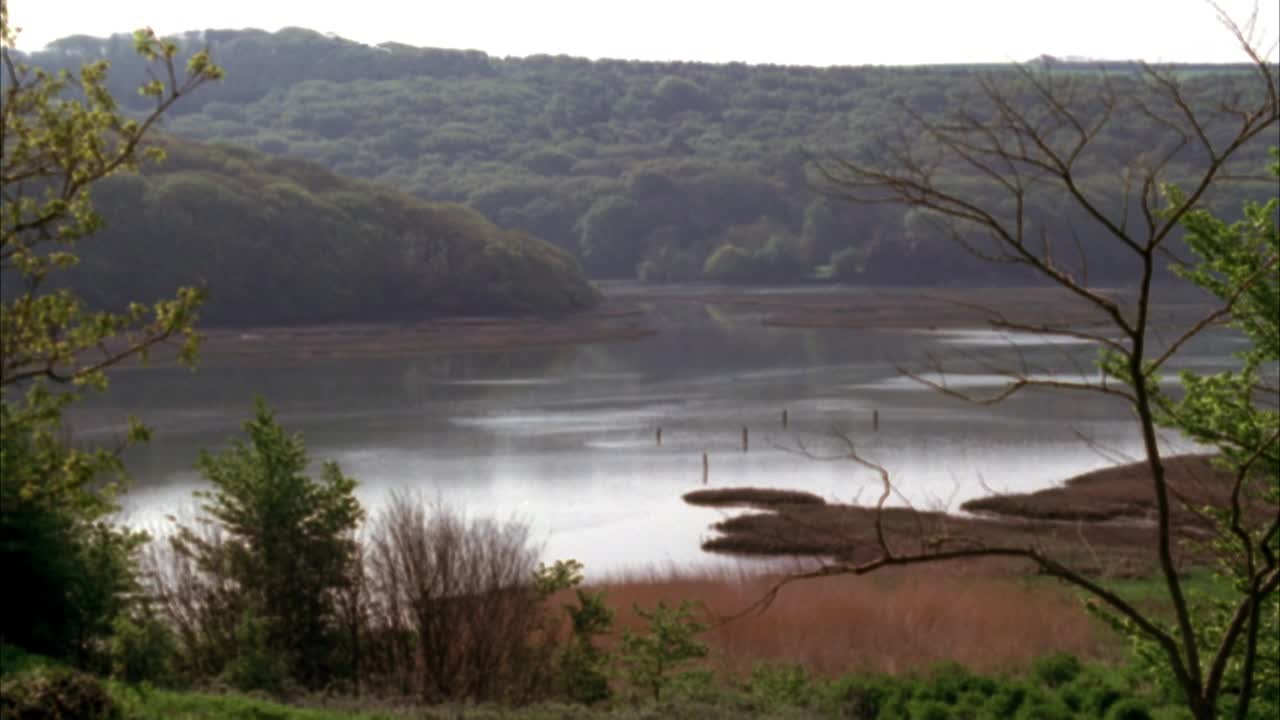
{"x": 897, "y": 621}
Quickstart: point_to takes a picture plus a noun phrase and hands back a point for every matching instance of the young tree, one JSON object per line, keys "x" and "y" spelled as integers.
{"x": 1038, "y": 140}
{"x": 281, "y": 558}
{"x": 70, "y": 567}
{"x": 1236, "y": 411}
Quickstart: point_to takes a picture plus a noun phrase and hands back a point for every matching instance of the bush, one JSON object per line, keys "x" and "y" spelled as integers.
{"x": 455, "y": 605}
{"x": 670, "y": 642}
{"x": 1056, "y": 670}
{"x": 54, "y": 693}
{"x": 929, "y": 710}
{"x": 582, "y": 664}
{"x": 1129, "y": 709}
{"x": 777, "y": 686}
{"x": 142, "y": 650}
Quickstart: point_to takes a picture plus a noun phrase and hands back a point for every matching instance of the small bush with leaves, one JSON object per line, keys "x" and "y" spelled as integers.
{"x": 143, "y": 650}
{"x": 54, "y": 693}
{"x": 670, "y": 642}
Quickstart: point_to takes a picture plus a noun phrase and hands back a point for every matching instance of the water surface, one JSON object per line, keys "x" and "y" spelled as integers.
{"x": 564, "y": 438}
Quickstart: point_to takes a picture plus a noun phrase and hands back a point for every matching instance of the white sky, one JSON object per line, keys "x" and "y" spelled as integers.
{"x": 810, "y": 32}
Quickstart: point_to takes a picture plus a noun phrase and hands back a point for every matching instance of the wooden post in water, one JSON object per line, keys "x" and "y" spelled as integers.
{"x": 784, "y": 418}
{"x": 744, "y": 439}
{"x": 706, "y": 468}
{"x": 875, "y": 420}
{"x": 658, "y": 436}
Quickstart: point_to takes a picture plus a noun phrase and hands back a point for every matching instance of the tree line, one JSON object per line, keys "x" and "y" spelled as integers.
{"x": 657, "y": 171}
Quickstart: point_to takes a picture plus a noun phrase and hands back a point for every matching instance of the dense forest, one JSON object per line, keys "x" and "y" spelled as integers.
{"x": 277, "y": 240}
{"x": 656, "y": 171}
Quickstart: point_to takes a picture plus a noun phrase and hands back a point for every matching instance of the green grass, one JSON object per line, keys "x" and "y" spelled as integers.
{"x": 1150, "y": 591}
{"x": 138, "y": 704}
{"x": 1058, "y": 686}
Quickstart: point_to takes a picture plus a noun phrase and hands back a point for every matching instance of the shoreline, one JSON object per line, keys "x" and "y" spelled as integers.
{"x": 285, "y": 344}
{"x": 626, "y": 315}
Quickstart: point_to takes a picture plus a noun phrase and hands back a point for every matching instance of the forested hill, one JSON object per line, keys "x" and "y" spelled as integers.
{"x": 278, "y": 240}
{"x": 662, "y": 171}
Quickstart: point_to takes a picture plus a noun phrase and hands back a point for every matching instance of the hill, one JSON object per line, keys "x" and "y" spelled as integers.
{"x": 278, "y": 240}
{"x": 660, "y": 171}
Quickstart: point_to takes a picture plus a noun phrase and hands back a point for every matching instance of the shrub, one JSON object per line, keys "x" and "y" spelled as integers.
{"x": 54, "y": 693}
{"x": 1006, "y": 700}
{"x": 1129, "y": 709}
{"x": 670, "y": 642}
{"x": 582, "y": 664}
{"x": 929, "y": 710}
{"x": 775, "y": 686}
{"x": 1039, "y": 707}
{"x": 455, "y": 603}
{"x": 1054, "y": 671}
{"x": 257, "y": 664}
{"x": 142, "y": 650}
{"x": 859, "y": 696}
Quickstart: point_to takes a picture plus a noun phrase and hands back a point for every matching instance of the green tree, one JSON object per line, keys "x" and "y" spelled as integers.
{"x": 1036, "y": 138}
{"x": 671, "y": 641}
{"x": 283, "y": 553}
{"x": 71, "y": 569}
{"x": 1234, "y": 411}
{"x": 582, "y": 664}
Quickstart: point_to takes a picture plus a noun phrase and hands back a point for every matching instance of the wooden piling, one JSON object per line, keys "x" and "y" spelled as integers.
{"x": 745, "y": 443}
{"x": 658, "y": 436}
{"x": 875, "y": 419}
{"x": 706, "y": 468}
{"x": 784, "y": 418}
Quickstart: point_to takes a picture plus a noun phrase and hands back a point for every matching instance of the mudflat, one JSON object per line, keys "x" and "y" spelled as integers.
{"x": 627, "y": 315}
{"x": 1101, "y": 521}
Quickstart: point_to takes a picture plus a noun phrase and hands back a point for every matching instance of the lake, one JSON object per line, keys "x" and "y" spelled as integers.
{"x": 564, "y": 438}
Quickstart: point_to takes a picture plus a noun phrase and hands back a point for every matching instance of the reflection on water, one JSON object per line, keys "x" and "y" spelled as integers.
{"x": 565, "y": 437}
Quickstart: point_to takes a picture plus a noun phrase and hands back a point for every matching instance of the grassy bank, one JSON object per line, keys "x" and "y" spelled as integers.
{"x": 1052, "y": 687}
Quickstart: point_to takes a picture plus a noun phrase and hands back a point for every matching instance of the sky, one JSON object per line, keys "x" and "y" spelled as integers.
{"x": 803, "y": 32}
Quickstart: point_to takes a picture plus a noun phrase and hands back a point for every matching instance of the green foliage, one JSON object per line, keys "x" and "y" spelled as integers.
{"x": 670, "y": 642}
{"x": 536, "y": 143}
{"x": 257, "y": 664}
{"x": 583, "y": 665}
{"x": 236, "y": 222}
{"x": 773, "y": 687}
{"x": 1230, "y": 411}
{"x": 1055, "y": 671}
{"x": 143, "y": 650}
{"x": 52, "y": 692}
{"x": 60, "y": 139}
{"x": 283, "y": 551}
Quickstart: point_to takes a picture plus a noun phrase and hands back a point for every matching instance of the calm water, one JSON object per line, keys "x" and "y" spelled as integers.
{"x": 564, "y": 438}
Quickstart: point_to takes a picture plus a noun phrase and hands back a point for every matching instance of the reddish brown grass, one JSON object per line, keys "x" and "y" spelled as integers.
{"x": 897, "y": 621}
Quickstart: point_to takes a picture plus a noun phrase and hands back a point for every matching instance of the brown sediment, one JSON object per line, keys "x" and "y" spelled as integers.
{"x": 1117, "y": 492}
{"x": 751, "y": 497}
{"x": 1100, "y": 522}
{"x": 906, "y": 308}
{"x": 292, "y": 344}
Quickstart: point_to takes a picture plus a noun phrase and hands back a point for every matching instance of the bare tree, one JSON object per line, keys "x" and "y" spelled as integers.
{"x": 983, "y": 175}
{"x": 451, "y": 602}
